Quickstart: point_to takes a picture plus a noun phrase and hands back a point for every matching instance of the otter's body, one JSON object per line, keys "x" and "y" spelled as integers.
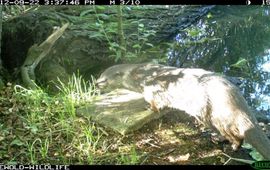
{"x": 210, "y": 98}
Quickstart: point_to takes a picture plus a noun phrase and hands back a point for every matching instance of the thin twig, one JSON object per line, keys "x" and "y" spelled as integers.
{"x": 237, "y": 159}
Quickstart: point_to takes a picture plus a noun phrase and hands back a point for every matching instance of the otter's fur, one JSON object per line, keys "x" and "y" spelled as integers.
{"x": 209, "y": 97}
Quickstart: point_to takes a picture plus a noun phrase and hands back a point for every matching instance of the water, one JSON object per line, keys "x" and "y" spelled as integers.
{"x": 232, "y": 40}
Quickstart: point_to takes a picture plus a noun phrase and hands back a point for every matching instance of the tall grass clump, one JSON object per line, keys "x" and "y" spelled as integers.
{"x": 45, "y": 128}
{"x": 38, "y": 128}
{"x": 78, "y": 90}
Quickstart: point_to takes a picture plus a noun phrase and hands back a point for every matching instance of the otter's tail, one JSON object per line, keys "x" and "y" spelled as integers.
{"x": 256, "y": 137}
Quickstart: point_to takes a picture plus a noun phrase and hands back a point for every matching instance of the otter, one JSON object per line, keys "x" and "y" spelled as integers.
{"x": 205, "y": 95}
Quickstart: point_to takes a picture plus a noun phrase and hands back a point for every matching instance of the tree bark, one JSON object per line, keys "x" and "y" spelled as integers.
{"x": 0, "y": 37}
{"x": 121, "y": 36}
{"x": 1, "y": 66}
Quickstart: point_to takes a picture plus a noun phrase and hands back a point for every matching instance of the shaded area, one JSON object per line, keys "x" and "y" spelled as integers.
{"x": 121, "y": 110}
{"x": 87, "y": 45}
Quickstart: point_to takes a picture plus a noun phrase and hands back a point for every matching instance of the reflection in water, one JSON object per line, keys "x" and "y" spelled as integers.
{"x": 233, "y": 40}
{"x": 262, "y": 91}
{"x": 265, "y": 65}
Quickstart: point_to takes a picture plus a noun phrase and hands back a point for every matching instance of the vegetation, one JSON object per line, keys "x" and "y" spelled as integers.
{"x": 127, "y": 46}
{"x": 48, "y": 130}
{"x": 38, "y": 127}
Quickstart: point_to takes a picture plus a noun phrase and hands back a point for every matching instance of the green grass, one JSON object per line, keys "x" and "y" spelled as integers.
{"x": 38, "y": 128}
{"x": 132, "y": 158}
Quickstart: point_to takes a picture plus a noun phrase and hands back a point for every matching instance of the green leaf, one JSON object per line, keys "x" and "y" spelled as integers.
{"x": 95, "y": 35}
{"x": 112, "y": 31}
{"x": 246, "y": 146}
{"x": 209, "y": 15}
{"x": 114, "y": 44}
{"x": 141, "y": 25}
{"x": 142, "y": 39}
{"x": 103, "y": 16}
{"x": 134, "y": 22}
{"x": 112, "y": 49}
{"x": 33, "y": 129}
{"x": 149, "y": 44}
{"x": 146, "y": 35}
{"x": 100, "y": 7}
{"x": 12, "y": 163}
{"x": 118, "y": 56}
{"x": 133, "y": 35}
{"x": 17, "y": 142}
{"x": 240, "y": 63}
{"x": 256, "y": 155}
{"x": 83, "y": 13}
{"x": 101, "y": 22}
{"x": 128, "y": 8}
{"x": 136, "y": 46}
{"x": 122, "y": 48}
{"x": 193, "y": 32}
{"x": 98, "y": 24}
{"x": 112, "y": 56}
{"x": 131, "y": 55}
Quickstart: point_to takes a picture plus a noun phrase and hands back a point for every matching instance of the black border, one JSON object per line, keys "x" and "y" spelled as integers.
{"x": 165, "y": 167}
{"x": 132, "y": 2}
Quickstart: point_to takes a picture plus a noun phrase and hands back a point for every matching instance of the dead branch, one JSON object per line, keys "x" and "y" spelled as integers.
{"x": 36, "y": 54}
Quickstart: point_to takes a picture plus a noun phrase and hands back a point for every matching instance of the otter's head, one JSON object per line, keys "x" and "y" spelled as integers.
{"x": 113, "y": 78}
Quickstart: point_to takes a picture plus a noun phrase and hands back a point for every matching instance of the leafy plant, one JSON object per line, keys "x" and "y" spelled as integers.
{"x": 241, "y": 63}
{"x": 124, "y": 46}
{"x": 15, "y": 10}
{"x": 141, "y": 40}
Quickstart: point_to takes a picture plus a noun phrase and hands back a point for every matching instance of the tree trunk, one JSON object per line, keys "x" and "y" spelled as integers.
{"x": 1, "y": 67}
{"x": 121, "y": 36}
{"x": 0, "y": 36}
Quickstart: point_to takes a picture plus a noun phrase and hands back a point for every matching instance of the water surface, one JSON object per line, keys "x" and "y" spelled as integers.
{"x": 231, "y": 40}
